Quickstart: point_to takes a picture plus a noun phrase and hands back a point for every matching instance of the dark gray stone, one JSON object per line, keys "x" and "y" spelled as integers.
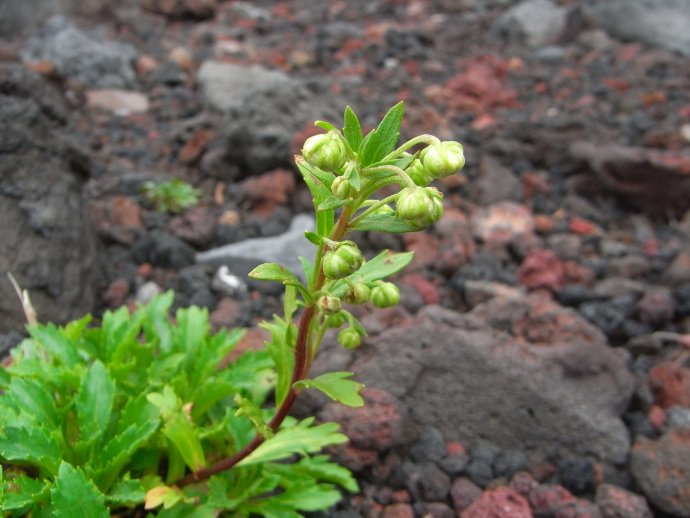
{"x": 431, "y": 447}
{"x": 161, "y": 248}
{"x": 476, "y": 383}
{"x": 426, "y": 481}
{"x": 89, "y": 59}
{"x": 263, "y": 109}
{"x": 46, "y": 239}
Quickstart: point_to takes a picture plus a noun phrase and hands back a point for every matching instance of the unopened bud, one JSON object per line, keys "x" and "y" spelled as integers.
{"x": 343, "y": 261}
{"x": 340, "y": 187}
{"x": 329, "y": 304}
{"x": 443, "y": 159}
{"x": 417, "y": 173}
{"x": 385, "y": 295}
{"x": 326, "y": 151}
{"x": 420, "y": 207}
{"x": 357, "y": 293}
{"x": 349, "y": 338}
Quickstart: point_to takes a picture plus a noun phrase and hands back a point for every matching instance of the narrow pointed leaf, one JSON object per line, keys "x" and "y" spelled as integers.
{"x": 384, "y": 223}
{"x": 382, "y": 266}
{"x": 300, "y": 439}
{"x": 382, "y": 141}
{"x": 352, "y": 129}
{"x": 325, "y": 125}
{"x": 336, "y": 386}
{"x": 332, "y": 202}
{"x": 94, "y": 402}
{"x": 273, "y": 272}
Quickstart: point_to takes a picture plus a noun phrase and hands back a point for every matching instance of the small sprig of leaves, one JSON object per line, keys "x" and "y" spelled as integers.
{"x": 173, "y": 196}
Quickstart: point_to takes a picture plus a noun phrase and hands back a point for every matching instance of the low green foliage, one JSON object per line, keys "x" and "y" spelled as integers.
{"x": 171, "y": 196}
{"x": 94, "y": 418}
{"x": 137, "y": 412}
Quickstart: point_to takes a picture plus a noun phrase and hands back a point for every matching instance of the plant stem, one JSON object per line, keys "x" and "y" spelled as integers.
{"x": 302, "y": 362}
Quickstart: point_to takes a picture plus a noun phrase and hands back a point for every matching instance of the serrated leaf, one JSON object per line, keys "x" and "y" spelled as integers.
{"x": 33, "y": 398}
{"x": 382, "y": 266}
{"x": 126, "y": 492}
{"x": 336, "y": 386}
{"x": 94, "y": 402}
{"x": 55, "y": 343}
{"x": 118, "y": 451}
{"x": 189, "y": 335}
{"x": 273, "y": 272}
{"x": 21, "y": 492}
{"x": 299, "y": 439}
{"x": 156, "y": 324}
{"x": 307, "y": 497}
{"x": 321, "y": 468}
{"x": 36, "y": 446}
{"x": 352, "y": 129}
{"x": 382, "y": 140}
{"x": 384, "y": 223}
{"x": 332, "y": 202}
{"x": 75, "y": 496}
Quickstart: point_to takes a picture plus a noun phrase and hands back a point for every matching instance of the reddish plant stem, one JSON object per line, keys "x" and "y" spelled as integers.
{"x": 299, "y": 372}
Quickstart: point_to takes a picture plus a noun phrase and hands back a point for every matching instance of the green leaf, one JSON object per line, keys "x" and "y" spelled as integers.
{"x": 402, "y": 163}
{"x": 55, "y": 343}
{"x": 75, "y": 496}
{"x": 21, "y": 492}
{"x": 384, "y": 223}
{"x": 34, "y": 399}
{"x": 35, "y": 446}
{"x": 382, "y": 266}
{"x": 353, "y": 179}
{"x": 321, "y": 468}
{"x": 313, "y": 237}
{"x": 325, "y": 125}
{"x": 126, "y": 492}
{"x": 307, "y": 266}
{"x": 325, "y": 221}
{"x": 318, "y": 181}
{"x": 94, "y": 402}
{"x": 251, "y": 411}
{"x": 189, "y": 336}
{"x": 382, "y": 140}
{"x": 280, "y": 347}
{"x": 308, "y": 497}
{"x": 181, "y": 432}
{"x": 332, "y": 202}
{"x": 273, "y": 272}
{"x": 118, "y": 451}
{"x": 299, "y": 439}
{"x": 337, "y": 387}
{"x": 352, "y": 130}
{"x": 156, "y": 324}
{"x": 208, "y": 393}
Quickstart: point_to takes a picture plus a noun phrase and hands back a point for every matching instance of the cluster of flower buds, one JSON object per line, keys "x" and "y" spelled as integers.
{"x": 326, "y": 151}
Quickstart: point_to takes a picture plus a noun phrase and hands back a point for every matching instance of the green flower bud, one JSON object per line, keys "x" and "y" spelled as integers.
{"x": 357, "y": 293}
{"x": 329, "y": 304}
{"x": 326, "y": 151}
{"x": 343, "y": 261}
{"x": 420, "y": 207}
{"x": 336, "y": 320}
{"x": 384, "y": 210}
{"x": 340, "y": 187}
{"x": 349, "y": 338}
{"x": 385, "y": 295}
{"x": 444, "y": 159}
{"x": 417, "y": 173}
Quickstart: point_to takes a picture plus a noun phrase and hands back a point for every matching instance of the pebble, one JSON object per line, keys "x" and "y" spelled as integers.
{"x": 147, "y": 291}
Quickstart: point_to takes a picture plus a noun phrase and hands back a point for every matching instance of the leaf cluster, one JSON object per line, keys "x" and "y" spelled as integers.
{"x": 95, "y": 420}
{"x": 173, "y": 196}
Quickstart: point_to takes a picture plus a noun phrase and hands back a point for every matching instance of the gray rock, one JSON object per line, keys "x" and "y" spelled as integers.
{"x": 495, "y": 183}
{"x": 661, "y": 470}
{"x": 22, "y": 16}
{"x": 283, "y": 249}
{"x": 616, "y": 502}
{"x": 88, "y": 59}
{"x": 264, "y": 109}
{"x": 161, "y": 248}
{"x": 533, "y": 22}
{"x": 562, "y": 396}
{"x": 46, "y": 239}
{"x": 661, "y": 23}
{"x": 224, "y": 85}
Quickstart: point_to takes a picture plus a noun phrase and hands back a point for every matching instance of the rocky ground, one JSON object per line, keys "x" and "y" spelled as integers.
{"x": 539, "y": 364}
